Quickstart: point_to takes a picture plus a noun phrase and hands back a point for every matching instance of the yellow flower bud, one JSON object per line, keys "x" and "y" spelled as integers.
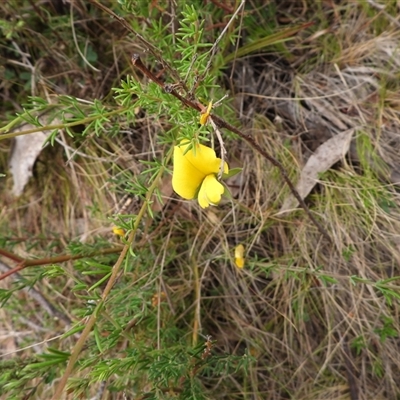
{"x": 204, "y": 116}
{"x": 239, "y": 256}
{"x": 118, "y": 231}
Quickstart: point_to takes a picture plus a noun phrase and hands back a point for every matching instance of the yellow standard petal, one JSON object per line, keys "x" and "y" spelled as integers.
{"x": 186, "y": 178}
{"x": 191, "y": 168}
{"x": 204, "y": 159}
{"x": 210, "y": 192}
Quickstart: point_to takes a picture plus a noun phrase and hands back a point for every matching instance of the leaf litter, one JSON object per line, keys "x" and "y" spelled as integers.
{"x": 326, "y": 155}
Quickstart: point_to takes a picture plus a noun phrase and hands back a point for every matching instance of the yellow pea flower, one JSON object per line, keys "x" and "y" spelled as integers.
{"x": 239, "y": 256}
{"x": 195, "y": 174}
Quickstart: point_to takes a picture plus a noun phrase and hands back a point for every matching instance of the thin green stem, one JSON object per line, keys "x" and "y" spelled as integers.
{"x": 115, "y": 271}
{"x": 60, "y": 126}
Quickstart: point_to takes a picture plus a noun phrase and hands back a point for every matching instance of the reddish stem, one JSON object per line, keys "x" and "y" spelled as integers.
{"x": 24, "y": 263}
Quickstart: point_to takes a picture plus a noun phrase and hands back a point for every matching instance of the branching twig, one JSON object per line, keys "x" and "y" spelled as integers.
{"x": 221, "y": 123}
{"x": 42, "y": 128}
{"x": 36, "y": 295}
{"x": 137, "y": 62}
{"x": 24, "y": 263}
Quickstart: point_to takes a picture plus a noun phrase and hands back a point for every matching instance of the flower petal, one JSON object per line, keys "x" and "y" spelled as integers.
{"x": 210, "y": 192}
{"x": 186, "y": 178}
{"x": 204, "y": 159}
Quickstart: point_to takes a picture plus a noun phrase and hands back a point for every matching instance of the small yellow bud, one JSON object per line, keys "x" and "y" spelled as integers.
{"x": 204, "y": 116}
{"x": 118, "y": 231}
{"x": 239, "y": 256}
{"x": 158, "y": 298}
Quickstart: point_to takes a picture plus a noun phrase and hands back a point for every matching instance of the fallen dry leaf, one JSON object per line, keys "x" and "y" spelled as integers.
{"x": 323, "y": 158}
{"x": 25, "y": 151}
